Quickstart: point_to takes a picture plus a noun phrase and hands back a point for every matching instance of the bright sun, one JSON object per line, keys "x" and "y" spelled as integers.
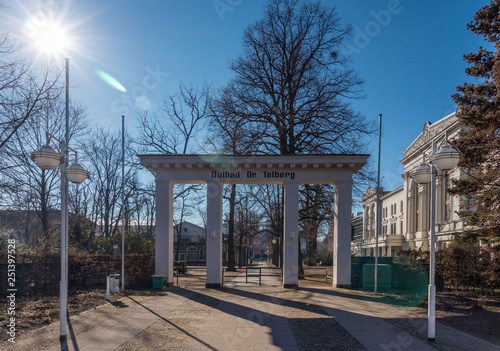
{"x": 52, "y": 39}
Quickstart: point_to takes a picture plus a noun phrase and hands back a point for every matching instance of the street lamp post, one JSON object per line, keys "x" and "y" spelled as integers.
{"x": 47, "y": 158}
{"x": 445, "y": 159}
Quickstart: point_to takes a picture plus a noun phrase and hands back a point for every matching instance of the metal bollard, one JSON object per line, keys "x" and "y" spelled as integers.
{"x": 107, "y": 287}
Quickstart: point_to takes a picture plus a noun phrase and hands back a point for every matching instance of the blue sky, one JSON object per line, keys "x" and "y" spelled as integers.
{"x": 409, "y": 52}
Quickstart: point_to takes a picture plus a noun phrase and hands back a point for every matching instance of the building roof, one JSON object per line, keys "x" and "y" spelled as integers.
{"x": 430, "y": 132}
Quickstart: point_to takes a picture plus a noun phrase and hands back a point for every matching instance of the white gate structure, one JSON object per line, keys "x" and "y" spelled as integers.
{"x": 289, "y": 171}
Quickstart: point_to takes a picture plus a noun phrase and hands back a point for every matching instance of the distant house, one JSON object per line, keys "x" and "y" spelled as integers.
{"x": 357, "y": 226}
{"x": 190, "y": 244}
{"x": 25, "y": 226}
{"x": 356, "y": 229}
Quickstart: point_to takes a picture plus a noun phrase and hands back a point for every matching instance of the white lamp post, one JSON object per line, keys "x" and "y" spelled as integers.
{"x": 47, "y": 158}
{"x": 445, "y": 159}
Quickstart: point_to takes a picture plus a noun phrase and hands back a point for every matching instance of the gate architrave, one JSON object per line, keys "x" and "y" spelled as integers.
{"x": 289, "y": 171}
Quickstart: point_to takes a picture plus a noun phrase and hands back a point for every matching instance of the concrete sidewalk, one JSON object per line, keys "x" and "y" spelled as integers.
{"x": 239, "y": 316}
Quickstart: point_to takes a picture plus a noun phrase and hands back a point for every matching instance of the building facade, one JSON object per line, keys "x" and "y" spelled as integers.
{"x": 405, "y": 211}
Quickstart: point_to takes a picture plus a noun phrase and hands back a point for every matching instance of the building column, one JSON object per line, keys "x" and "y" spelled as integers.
{"x": 164, "y": 232}
{"x": 424, "y": 218}
{"x": 365, "y": 222}
{"x": 214, "y": 234}
{"x": 342, "y": 237}
{"x": 410, "y": 219}
{"x": 291, "y": 236}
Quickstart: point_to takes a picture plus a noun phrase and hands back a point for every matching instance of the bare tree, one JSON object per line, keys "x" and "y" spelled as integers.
{"x": 103, "y": 152}
{"x": 174, "y": 130}
{"x": 184, "y": 210}
{"x": 35, "y": 189}
{"x": 269, "y": 197}
{"x": 22, "y": 93}
{"x": 233, "y": 135}
{"x": 293, "y": 84}
{"x": 247, "y": 226}
{"x": 316, "y": 208}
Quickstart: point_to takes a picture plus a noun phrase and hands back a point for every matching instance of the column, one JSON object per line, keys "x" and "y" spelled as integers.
{"x": 424, "y": 216}
{"x": 365, "y": 222}
{"x": 410, "y": 216}
{"x": 214, "y": 234}
{"x": 342, "y": 238}
{"x": 164, "y": 233}
{"x": 291, "y": 236}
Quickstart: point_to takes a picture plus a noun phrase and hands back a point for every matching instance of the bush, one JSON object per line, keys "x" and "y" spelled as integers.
{"x": 492, "y": 271}
{"x": 310, "y": 261}
{"x": 320, "y": 260}
{"x": 135, "y": 243}
{"x": 180, "y": 266}
{"x": 468, "y": 266}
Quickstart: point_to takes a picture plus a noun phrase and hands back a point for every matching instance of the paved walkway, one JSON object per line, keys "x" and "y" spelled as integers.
{"x": 238, "y": 317}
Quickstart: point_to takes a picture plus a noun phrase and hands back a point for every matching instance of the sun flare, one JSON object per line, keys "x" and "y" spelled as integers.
{"x": 53, "y": 39}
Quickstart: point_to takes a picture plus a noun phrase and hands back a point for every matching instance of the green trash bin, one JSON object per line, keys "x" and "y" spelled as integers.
{"x": 159, "y": 281}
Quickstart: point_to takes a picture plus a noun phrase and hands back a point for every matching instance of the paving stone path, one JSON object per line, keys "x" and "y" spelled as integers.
{"x": 239, "y": 316}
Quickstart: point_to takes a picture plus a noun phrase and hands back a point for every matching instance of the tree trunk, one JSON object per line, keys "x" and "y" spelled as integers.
{"x": 301, "y": 267}
{"x": 230, "y": 235}
{"x": 44, "y": 214}
{"x": 241, "y": 253}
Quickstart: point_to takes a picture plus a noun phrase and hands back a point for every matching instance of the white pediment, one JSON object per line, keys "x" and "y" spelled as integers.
{"x": 430, "y": 132}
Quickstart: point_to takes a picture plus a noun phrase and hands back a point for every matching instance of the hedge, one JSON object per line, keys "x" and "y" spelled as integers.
{"x": 41, "y": 273}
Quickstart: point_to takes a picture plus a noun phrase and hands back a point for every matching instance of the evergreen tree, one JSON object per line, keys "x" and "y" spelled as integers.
{"x": 479, "y": 142}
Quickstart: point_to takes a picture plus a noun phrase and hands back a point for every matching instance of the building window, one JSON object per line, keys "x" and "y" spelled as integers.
{"x": 192, "y": 254}
{"x": 401, "y": 206}
{"x": 470, "y": 203}
{"x": 401, "y": 227}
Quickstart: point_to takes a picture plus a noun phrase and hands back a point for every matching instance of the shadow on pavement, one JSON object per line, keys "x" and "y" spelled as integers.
{"x": 172, "y": 324}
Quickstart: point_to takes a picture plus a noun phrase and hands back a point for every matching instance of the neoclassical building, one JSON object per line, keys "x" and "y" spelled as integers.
{"x": 405, "y": 213}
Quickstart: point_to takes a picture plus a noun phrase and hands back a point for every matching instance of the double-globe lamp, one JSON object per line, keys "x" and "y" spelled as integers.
{"x": 444, "y": 159}
{"x": 47, "y": 158}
